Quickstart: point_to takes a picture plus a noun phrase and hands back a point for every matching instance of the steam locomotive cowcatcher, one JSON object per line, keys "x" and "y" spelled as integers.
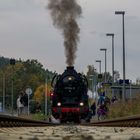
{"x": 69, "y": 97}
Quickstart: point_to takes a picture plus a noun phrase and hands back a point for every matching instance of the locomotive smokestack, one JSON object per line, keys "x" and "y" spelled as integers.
{"x": 64, "y": 14}
{"x": 70, "y": 67}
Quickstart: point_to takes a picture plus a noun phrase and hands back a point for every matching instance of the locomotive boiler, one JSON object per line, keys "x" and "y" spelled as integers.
{"x": 69, "y": 97}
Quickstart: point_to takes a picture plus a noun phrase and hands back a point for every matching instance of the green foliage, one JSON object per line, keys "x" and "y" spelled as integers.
{"x": 39, "y": 116}
{"x": 29, "y": 73}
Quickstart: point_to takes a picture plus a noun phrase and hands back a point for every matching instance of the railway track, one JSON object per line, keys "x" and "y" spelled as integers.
{"x": 14, "y": 128}
{"x": 11, "y": 121}
{"x": 131, "y": 121}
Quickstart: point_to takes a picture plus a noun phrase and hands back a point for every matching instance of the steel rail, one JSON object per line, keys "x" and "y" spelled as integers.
{"x": 131, "y": 121}
{"x": 11, "y": 121}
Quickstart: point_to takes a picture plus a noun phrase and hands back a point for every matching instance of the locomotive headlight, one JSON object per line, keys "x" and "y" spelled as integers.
{"x": 81, "y": 104}
{"x": 58, "y": 104}
{"x": 70, "y": 78}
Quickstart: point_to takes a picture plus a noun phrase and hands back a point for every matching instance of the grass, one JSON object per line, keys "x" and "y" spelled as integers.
{"x": 122, "y": 109}
{"x": 37, "y": 116}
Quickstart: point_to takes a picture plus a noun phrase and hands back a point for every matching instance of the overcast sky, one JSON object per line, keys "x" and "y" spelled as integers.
{"x": 26, "y": 32}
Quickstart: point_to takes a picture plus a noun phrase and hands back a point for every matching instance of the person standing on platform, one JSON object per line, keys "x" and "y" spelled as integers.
{"x": 20, "y": 106}
{"x": 24, "y": 101}
{"x": 93, "y": 109}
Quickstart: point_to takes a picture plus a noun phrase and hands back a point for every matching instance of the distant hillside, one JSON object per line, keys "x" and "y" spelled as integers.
{"x": 25, "y": 73}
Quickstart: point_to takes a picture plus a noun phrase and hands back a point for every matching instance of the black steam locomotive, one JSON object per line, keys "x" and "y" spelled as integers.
{"x": 69, "y": 97}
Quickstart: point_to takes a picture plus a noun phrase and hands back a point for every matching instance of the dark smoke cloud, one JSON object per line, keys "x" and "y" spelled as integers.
{"x": 64, "y": 14}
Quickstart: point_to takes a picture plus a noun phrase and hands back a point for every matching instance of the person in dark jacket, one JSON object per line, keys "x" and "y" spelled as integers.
{"x": 24, "y": 101}
{"x": 93, "y": 109}
{"x": 114, "y": 99}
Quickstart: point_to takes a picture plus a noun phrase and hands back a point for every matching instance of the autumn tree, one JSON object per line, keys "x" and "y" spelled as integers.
{"x": 23, "y": 73}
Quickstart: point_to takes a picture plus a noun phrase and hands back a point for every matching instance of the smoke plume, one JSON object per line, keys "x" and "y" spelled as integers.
{"x": 64, "y": 14}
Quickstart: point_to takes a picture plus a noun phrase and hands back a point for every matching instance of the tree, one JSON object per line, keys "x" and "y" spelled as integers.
{"x": 23, "y": 73}
{"x": 138, "y": 81}
{"x": 39, "y": 93}
{"x": 91, "y": 70}
{"x": 91, "y": 73}
{"x": 116, "y": 75}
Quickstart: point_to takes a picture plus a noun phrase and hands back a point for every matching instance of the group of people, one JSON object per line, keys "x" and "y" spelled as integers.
{"x": 102, "y": 106}
{"x": 22, "y": 103}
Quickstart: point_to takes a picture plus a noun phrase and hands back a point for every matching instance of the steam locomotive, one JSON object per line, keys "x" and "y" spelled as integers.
{"x": 69, "y": 97}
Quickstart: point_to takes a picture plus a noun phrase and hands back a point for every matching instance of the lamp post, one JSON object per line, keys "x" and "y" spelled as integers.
{"x": 92, "y": 84}
{"x": 130, "y": 90}
{"x": 3, "y": 92}
{"x": 104, "y": 49}
{"x": 112, "y": 35}
{"x": 46, "y": 93}
{"x": 99, "y": 61}
{"x": 12, "y": 62}
{"x": 99, "y": 82}
{"x": 123, "y": 30}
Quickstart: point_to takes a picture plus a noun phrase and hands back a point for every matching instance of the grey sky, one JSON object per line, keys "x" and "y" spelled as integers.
{"x": 26, "y": 31}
